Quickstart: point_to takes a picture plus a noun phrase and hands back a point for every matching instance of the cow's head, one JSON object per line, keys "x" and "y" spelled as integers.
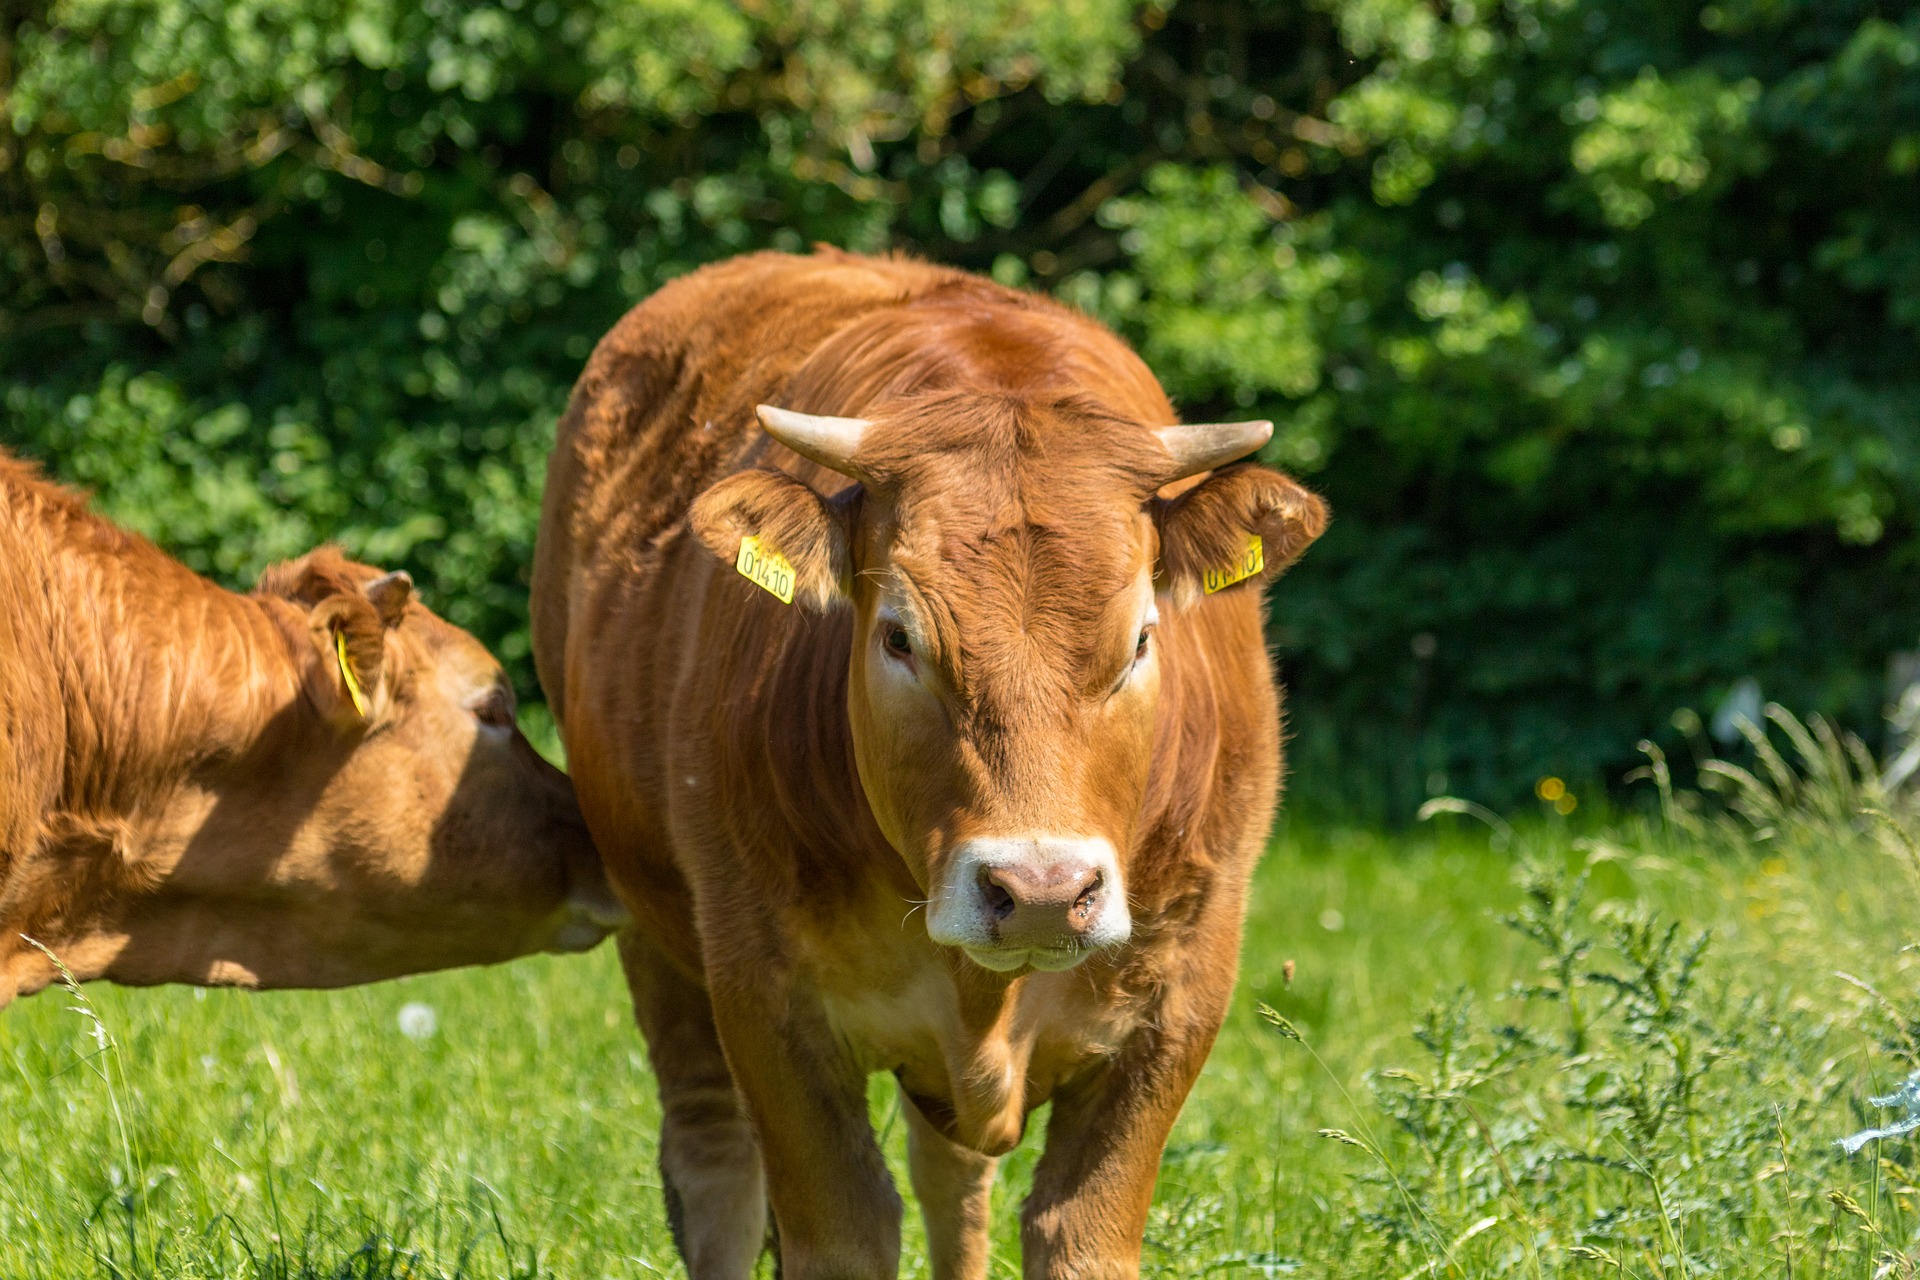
{"x": 390, "y": 819}
{"x": 1009, "y": 565}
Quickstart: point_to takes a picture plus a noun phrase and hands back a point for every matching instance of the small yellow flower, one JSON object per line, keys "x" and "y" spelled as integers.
{"x": 1550, "y": 789}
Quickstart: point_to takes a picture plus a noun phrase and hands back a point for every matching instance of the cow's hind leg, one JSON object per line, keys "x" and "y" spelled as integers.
{"x": 955, "y": 1190}
{"x": 710, "y": 1168}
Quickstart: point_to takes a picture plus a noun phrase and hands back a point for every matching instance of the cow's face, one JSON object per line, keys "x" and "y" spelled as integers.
{"x": 392, "y": 820}
{"x": 1009, "y": 568}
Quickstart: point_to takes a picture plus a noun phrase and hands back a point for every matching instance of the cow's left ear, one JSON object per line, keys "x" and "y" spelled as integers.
{"x": 348, "y": 617}
{"x": 780, "y": 535}
{"x": 350, "y": 643}
{"x": 1235, "y": 531}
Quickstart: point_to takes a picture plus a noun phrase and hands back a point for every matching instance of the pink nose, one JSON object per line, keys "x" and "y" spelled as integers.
{"x": 1045, "y": 906}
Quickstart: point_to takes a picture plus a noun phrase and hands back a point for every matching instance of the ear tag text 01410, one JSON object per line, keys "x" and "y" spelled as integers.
{"x": 346, "y": 674}
{"x": 765, "y": 568}
{"x": 1250, "y": 562}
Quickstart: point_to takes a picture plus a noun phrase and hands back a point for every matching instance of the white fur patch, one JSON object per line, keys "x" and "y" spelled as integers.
{"x": 960, "y": 916}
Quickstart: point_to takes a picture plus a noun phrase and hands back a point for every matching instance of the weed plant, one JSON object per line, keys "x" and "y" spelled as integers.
{"x": 1656, "y": 1094}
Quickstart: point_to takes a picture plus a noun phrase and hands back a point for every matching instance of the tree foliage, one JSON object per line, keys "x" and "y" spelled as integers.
{"x": 1594, "y": 318}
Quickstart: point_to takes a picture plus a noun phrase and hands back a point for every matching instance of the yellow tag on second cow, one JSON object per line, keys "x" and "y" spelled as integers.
{"x": 1251, "y": 561}
{"x": 765, "y": 568}
{"x": 346, "y": 674}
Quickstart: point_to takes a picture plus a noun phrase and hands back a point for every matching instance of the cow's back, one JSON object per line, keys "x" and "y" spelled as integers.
{"x": 662, "y": 410}
{"x": 31, "y": 732}
{"x": 665, "y": 406}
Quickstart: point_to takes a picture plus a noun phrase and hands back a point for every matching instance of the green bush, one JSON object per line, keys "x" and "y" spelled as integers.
{"x": 1594, "y": 318}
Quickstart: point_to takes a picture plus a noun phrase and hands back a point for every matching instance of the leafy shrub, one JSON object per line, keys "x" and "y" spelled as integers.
{"x": 1594, "y": 319}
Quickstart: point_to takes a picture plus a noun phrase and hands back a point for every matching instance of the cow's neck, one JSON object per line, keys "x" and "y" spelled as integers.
{"x": 161, "y": 672}
{"x": 142, "y": 675}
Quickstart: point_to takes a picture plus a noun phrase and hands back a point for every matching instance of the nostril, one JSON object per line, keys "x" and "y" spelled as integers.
{"x": 1088, "y": 897}
{"x": 998, "y": 900}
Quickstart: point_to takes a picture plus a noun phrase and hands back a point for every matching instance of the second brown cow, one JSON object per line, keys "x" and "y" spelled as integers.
{"x": 314, "y": 785}
{"x": 930, "y": 731}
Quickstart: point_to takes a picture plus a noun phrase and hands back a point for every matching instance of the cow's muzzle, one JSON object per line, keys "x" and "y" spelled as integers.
{"x": 590, "y": 911}
{"x": 1044, "y": 901}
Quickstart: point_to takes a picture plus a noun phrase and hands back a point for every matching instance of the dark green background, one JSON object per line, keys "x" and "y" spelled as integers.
{"x": 1595, "y": 319}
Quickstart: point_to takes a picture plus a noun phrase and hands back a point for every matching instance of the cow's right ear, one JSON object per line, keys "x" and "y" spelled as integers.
{"x": 766, "y": 524}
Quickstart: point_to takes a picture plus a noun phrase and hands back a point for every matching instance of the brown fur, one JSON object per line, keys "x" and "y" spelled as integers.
{"x": 771, "y": 812}
{"x": 187, "y": 793}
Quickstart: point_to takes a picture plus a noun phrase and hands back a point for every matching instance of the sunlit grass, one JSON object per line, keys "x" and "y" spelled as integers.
{"x": 303, "y": 1134}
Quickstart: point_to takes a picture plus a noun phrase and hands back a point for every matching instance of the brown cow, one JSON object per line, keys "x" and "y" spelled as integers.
{"x": 313, "y": 785}
{"x": 1021, "y": 684}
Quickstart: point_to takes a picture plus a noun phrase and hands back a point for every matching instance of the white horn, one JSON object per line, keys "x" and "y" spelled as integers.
{"x": 831, "y": 442}
{"x": 1202, "y": 446}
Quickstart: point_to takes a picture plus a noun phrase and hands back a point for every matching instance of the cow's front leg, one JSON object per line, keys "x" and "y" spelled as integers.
{"x": 709, "y": 1160}
{"x": 955, "y": 1189}
{"x": 834, "y": 1206}
{"x": 1094, "y": 1184}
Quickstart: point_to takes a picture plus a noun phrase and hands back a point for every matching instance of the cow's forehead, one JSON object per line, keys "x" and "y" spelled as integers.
{"x": 1058, "y": 513}
{"x": 980, "y": 527}
{"x": 1015, "y": 525}
{"x": 985, "y": 594}
{"x": 1034, "y": 450}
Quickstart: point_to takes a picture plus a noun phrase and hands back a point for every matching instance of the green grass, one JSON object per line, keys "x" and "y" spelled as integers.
{"x": 1689, "y": 1131}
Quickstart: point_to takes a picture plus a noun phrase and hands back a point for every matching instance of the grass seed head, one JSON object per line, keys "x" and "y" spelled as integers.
{"x": 1279, "y": 1021}
{"x": 1848, "y": 1205}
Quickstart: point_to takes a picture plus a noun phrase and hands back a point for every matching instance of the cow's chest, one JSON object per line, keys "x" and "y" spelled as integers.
{"x": 978, "y": 1052}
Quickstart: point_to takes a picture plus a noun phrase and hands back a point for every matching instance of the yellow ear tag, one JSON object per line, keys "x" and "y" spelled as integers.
{"x": 765, "y": 568}
{"x": 1251, "y": 561}
{"x": 346, "y": 673}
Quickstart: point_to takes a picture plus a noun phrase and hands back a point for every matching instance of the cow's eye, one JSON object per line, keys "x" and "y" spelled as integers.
{"x": 1140, "y": 645}
{"x": 898, "y": 643}
{"x": 495, "y": 709}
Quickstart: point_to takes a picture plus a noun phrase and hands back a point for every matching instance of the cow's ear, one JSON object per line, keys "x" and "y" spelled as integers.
{"x": 390, "y": 594}
{"x": 347, "y": 678}
{"x": 350, "y": 607}
{"x": 780, "y": 535}
{"x": 1234, "y": 531}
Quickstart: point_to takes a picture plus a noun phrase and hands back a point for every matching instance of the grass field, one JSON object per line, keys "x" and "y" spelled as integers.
{"x": 1608, "y": 1096}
